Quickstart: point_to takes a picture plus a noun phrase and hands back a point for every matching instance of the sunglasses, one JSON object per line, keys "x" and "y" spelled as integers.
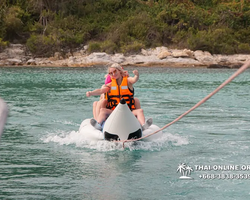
{"x": 113, "y": 72}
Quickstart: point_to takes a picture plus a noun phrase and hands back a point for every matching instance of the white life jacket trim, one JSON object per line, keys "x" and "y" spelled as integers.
{"x": 124, "y": 87}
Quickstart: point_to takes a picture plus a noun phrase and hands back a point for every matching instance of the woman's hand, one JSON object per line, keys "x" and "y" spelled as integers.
{"x": 135, "y": 72}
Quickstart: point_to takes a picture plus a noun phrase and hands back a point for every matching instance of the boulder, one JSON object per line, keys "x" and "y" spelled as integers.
{"x": 204, "y": 57}
{"x": 164, "y": 54}
{"x": 14, "y": 61}
{"x": 118, "y": 58}
{"x": 189, "y": 53}
{"x": 15, "y": 51}
{"x": 179, "y": 54}
{"x": 153, "y": 51}
{"x": 31, "y": 62}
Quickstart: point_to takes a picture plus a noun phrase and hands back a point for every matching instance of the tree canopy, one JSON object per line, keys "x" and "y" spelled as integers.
{"x": 217, "y": 26}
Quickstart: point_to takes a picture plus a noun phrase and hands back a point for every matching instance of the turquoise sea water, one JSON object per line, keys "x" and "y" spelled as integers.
{"x": 42, "y": 155}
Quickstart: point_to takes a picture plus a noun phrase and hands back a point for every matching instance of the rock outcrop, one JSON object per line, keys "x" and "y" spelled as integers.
{"x": 17, "y": 54}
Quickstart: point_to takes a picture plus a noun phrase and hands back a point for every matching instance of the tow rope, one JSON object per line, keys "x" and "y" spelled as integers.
{"x": 237, "y": 73}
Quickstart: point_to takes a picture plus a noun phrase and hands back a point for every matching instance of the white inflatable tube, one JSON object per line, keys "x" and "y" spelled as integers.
{"x": 89, "y": 132}
{"x": 120, "y": 125}
{"x": 3, "y": 115}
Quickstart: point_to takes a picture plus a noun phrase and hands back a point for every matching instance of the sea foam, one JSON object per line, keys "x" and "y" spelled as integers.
{"x": 77, "y": 139}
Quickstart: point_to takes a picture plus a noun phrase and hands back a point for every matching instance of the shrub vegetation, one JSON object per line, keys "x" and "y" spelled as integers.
{"x": 217, "y": 26}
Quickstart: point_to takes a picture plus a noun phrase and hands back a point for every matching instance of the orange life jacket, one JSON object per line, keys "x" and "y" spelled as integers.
{"x": 117, "y": 92}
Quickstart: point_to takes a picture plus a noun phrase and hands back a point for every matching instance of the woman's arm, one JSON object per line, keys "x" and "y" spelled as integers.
{"x": 134, "y": 79}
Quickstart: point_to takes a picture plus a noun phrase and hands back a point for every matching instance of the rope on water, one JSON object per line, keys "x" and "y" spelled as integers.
{"x": 237, "y": 73}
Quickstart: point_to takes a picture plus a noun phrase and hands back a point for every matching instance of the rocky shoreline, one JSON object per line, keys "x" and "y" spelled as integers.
{"x": 17, "y": 55}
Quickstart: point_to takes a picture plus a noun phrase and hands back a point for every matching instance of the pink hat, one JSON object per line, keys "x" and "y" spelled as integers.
{"x": 108, "y": 79}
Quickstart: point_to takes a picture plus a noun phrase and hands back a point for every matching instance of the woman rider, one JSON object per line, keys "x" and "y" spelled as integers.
{"x": 122, "y": 85}
{"x": 97, "y": 105}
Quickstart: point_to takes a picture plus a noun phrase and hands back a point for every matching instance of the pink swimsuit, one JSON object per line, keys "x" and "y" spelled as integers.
{"x": 108, "y": 79}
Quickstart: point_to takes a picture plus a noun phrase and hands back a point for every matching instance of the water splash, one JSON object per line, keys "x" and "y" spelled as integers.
{"x": 77, "y": 139}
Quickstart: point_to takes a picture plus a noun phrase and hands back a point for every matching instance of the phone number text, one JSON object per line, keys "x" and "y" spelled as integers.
{"x": 224, "y": 176}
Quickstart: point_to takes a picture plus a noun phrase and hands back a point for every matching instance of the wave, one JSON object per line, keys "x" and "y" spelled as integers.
{"x": 75, "y": 138}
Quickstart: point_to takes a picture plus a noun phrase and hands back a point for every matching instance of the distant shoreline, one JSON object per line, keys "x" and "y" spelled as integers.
{"x": 16, "y": 55}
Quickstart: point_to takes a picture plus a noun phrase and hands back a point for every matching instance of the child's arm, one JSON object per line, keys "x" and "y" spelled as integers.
{"x": 99, "y": 91}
